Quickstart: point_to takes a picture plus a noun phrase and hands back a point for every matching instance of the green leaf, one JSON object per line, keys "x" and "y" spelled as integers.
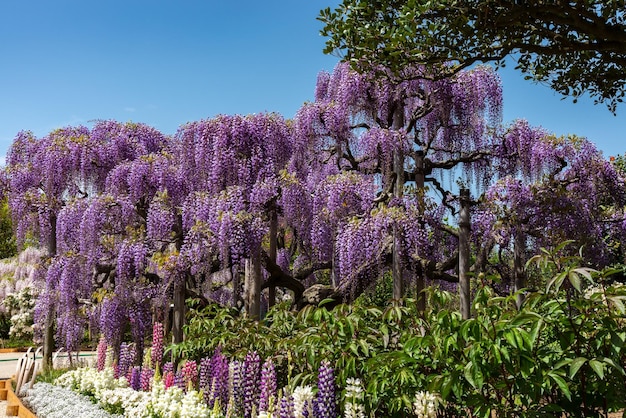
{"x": 469, "y": 376}
{"x": 597, "y": 367}
{"x": 616, "y": 366}
{"x": 574, "y": 279}
{"x": 575, "y": 365}
{"x": 556, "y": 281}
{"x": 561, "y": 384}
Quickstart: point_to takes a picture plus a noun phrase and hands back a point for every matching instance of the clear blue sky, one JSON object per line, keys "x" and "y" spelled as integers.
{"x": 164, "y": 63}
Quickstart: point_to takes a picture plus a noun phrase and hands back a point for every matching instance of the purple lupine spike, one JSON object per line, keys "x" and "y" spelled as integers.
{"x": 220, "y": 379}
{"x": 168, "y": 367}
{"x": 286, "y": 407}
{"x": 236, "y": 386}
{"x": 179, "y": 380}
{"x": 135, "y": 378}
{"x": 125, "y": 362}
{"x": 204, "y": 372}
{"x": 326, "y": 404}
{"x": 102, "y": 354}
{"x": 252, "y": 366}
{"x": 268, "y": 384}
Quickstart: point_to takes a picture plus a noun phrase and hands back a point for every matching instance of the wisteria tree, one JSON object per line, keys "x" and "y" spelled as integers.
{"x": 44, "y": 176}
{"x": 555, "y": 189}
{"x": 361, "y": 182}
{"x": 391, "y": 139}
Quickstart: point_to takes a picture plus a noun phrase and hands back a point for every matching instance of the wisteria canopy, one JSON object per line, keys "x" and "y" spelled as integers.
{"x": 127, "y": 213}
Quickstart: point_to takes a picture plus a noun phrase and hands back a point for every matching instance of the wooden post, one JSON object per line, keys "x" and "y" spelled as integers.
{"x": 464, "y": 253}
{"x": 253, "y": 286}
{"x": 178, "y": 317}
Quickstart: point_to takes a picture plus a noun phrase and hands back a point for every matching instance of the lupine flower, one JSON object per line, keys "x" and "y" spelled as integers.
{"x": 286, "y": 407}
{"x": 102, "y": 354}
{"x": 425, "y": 404}
{"x": 157, "y": 343}
{"x": 168, "y": 367}
{"x": 179, "y": 381}
{"x": 252, "y": 366}
{"x": 268, "y": 385}
{"x": 236, "y": 386}
{"x": 205, "y": 373}
{"x": 326, "y": 400}
{"x": 190, "y": 373}
{"x": 146, "y": 379}
{"x": 303, "y": 402}
{"x": 168, "y": 379}
{"x": 135, "y": 378}
{"x": 353, "y": 407}
{"x": 126, "y": 360}
{"x": 219, "y": 378}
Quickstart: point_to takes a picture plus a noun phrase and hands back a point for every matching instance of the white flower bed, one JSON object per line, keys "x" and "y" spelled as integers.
{"x": 49, "y": 401}
{"x": 114, "y": 395}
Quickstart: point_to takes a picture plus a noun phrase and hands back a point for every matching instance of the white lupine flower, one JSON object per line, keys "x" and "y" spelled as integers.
{"x": 425, "y": 405}
{"x": 302, "y": 399}
{"x": 354, "y": 396}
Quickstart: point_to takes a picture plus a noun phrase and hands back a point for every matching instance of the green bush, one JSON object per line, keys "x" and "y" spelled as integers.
{"x": 561, "y": 352}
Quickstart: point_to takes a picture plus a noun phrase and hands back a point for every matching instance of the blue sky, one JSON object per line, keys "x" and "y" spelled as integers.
{"x": 164, "y": 63}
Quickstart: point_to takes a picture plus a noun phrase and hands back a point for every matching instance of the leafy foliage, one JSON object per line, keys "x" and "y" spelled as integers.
{"x": 563, "y": 351}
{"x": 576, "y": 47}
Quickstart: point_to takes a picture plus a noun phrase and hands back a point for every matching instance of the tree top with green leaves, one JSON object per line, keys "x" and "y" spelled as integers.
{"x": 576, "y": 47}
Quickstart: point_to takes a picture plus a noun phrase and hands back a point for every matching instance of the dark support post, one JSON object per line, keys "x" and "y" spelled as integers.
{"x": 464, "y": 253}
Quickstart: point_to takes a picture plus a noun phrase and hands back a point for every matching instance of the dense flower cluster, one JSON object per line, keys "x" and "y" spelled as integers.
{"x": 425, "y": 405}
{"x": 216, "y": 389}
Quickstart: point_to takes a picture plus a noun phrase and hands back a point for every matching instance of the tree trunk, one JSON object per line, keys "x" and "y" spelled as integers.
{"x": 271, "y": 297}
{"x": 48, "y": 337}
{"x": 178, "y": 317}
{"x": 419, "y": 186}
{"x": 234, "y": 271}
{"x": 253, "y": 286}
{"x": 398, "y": 167}
{"x": 464, "y": 253}
{"x": 519, "y": 245}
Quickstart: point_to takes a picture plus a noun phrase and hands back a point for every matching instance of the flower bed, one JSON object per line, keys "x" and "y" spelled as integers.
{"x": 86, "y": 392}
{"x": 50, "y": 401}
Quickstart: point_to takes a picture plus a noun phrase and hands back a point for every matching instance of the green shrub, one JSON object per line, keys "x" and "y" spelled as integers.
{"x": 561, "y": 352}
